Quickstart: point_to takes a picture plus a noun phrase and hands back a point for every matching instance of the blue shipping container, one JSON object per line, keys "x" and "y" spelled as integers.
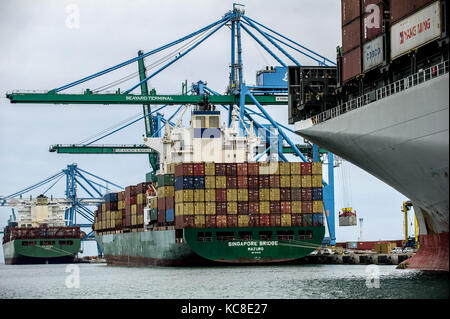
{"x": 111, "y": 197}
{"x": 170, "y": 215}
{"x": 185, "y": 182}
{"x": 199, "y": 182}
{"x": 317, "y": 193}
{"x": 317, "y": 219}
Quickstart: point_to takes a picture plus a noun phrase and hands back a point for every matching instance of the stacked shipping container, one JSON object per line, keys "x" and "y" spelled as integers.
{"x": 248, "y": 195}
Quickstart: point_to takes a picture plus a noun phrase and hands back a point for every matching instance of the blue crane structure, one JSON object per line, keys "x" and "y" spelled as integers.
{"x": 237, "y": 96}
{"x": 74, "y": 177}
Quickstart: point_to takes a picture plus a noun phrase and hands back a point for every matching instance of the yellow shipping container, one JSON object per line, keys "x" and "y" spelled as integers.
{"x": 178, "y": 196}
{"x": 295, "y": 168}
{"x": 184, "y": 209}
{"x": 199, "y": 208}
{"x": 384, "y": 248}
{"x": 285, "y": 168}
{"x": 232, "y": 195}
{"x": 285, "y": 220}
{"x": 243, "y": 220}
{"x": 232, "y": 208}
{"x": 210, "y": 208}
{"x": 210, "y": 169}
{"x": 199, "y": 195}
{"x": 210, "y": 195}
{"x": 242, "y": 195}
{"x": 179, "y": 209}
{"x": 274, "y": 194}
{"x": 121, "y": 204}
{"x": 221, "y": 182}
{"x": 171, "y": 168}
{"x": 133, "y": 220}
{"x": 185, "y": 195}
{"x": 210, "y": 182}
{"x": 199, "y": 221}
{"x": 296, "y": 181}
{"x": 103, "y": 207}
{"x": 269, "y": 168}
{"x": 161, "y": 191}
{"x": 316, "y": 180}
{"x": 169, "y": 191}
{"x": 316, "y": 168}
{"x": 140, "y": 219}
{"x": 264, "y": 194}
{"x": 133, "y": 209}
{"x": 264, "y": 207}
{"x": 154, "y": 202}
{"x": 306, "y": 180}
{"x": 296, "y": 207}
{"x": 141, "y": 199}
{"x": 317, "y": 206}
{"x": 285, "y": 181}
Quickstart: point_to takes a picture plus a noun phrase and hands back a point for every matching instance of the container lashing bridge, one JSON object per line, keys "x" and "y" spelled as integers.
{"x": 238, "y": 96}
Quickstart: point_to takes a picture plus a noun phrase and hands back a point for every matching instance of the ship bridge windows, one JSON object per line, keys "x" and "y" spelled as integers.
{"x": 200, "y": 121}
{"x": 224, "y": 235}
{"x": 29, "y": 243}
{"x": 204, "y": 236}
{"x": 309, "y": 234}
{"x": 65, "y": 242}
{"x": 301, "y": 235}
{"x": 47, "y": 242}
{"x": 245, "y": 235}
{"x": 265, "y": 235}
{"x": 285, "y": 235}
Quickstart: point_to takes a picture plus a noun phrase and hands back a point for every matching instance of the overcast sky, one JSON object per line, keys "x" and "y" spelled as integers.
{"x": 45, "y": 46}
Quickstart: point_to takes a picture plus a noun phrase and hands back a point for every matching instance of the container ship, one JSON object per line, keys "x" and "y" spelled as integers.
{"x": 39, "y": 235}
{"x": 389, "y": 110}
{"x": 212, "y": 203}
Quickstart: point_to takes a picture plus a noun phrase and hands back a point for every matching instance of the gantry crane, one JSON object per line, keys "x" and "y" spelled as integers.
{"x": 237, "y": 96}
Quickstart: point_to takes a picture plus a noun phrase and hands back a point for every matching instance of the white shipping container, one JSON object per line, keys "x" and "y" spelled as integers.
{"x": 416, "y": 30}
{"x": 373, "y": 53}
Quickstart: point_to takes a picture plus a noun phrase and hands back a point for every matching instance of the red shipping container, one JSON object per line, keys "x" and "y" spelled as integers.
{"x": 183, "y": 222}
{"x": 264, "y": 181}
{"x": 121, "y": 196}
{"x": 275, "y": 220}
{"x": 170, "y": 202}
{"x": 210, "y": 221}
{"x": 111, "y": 206}
{"x": 221, "y": 169}
{"x": 296, "y": 220}
{"x": 242, "y": 181}
{"x": 242, "y": 169}
{"x": 253, "y": 207}
{"x": 401, "y": 9}
{"x": 286, "y": 207}
{"x": 130, "y": 191}
{"x": 221, "y": 195}
{"x": 221, "y": 208}
{"x": 253, "y": 182}
{"x": 373, "y": 20}
{"x": 199, "y": 169}
{"x": 306, "y": 168}
{"x": 130, "y": 201}
{"x": 264, "y": 220}
{"x": 350, "y": 10}
{"x": 161, "y": 216}
{"x": 231, "y": 169}
{"x": 232, "y": 221}
{"x": 231, "y": 182}
{"x": 141, "y": 188}
{"x": 351, "y": 64}
{"x": 285, "y": 194}
{"x": 274, "y": 181}
{"x": 184, "y": 169}
{"x": 128, "y": 211}
{"x": 306, "y": 194}
{"x": 140, "y": 209}
{"x": 351, "y": 36}
{"x": 221, "y": 221}
{"x": 179, "y": 222}
{"x": 162, "y": 204}
{"x": 275, "y": 207}
{"x": 253, "y": 195}
{"x": 242, "y": 208}
{"x": 253, "y": 221}
{"x": 253, "y": 169}
{"x": 307, "y": 207}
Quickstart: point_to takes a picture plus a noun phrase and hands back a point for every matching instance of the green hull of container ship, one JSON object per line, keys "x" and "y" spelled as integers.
{"x": 160, "y": 247}
{"x": 19, "y": 251}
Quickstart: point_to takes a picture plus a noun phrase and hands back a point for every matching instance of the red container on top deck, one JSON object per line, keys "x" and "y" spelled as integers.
{"x": 170, "y": 202}
{"x": 141, "y": 188}
{"x": 274, "y": 181}
{"x": 306, "y": 193}
{"x": 130, "y": 191}
{"x": 242, "y": 169}
{"x": 221, "y": 208}
{"x": 286, "y": 207}
{"x": 350, "y": 10}
{"x": 121, "y": 196}
{"x": 210, "y": 221}
{"x": 296, "y": 220}
{"x": 231, "y": 182}
{"x": 351, "y": 64}
{"x": 221, "y": 195}
{"x": 184, "y": 169}
{"x": 285, "y": 194}
{"x": 221, "y": 221}
{"x": 199, "y": 169}
{"x": 130, "y": 200}
{"x": 306, "y": 168}
{"x": 275, "y": 220}
{"x": 264, "y": 220}
{"x": 161, "y": 203}
{"x": 231, "y": 169}
{"x": 253, "y": 195}
{"x": 232, "y": 221}
{"x": 253, "y": 169}
{"x": 253, "y": 221}
{"x": 351, "y": 36}
{"x": 253, "y": 207}
{"x": 401, "y": 9}
{"x": 242, "y": 181}
{"x": 275, "y": 207}
{"x": 242, "y": 208}
{"x": 221, "y": 169}
{"x": 372, "y": 24}
{"x": 264, "y": 181}
{"x": 307, "y": 207}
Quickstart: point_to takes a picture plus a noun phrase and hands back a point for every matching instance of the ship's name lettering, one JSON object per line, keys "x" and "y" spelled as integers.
{"x": 253, "y": 243}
